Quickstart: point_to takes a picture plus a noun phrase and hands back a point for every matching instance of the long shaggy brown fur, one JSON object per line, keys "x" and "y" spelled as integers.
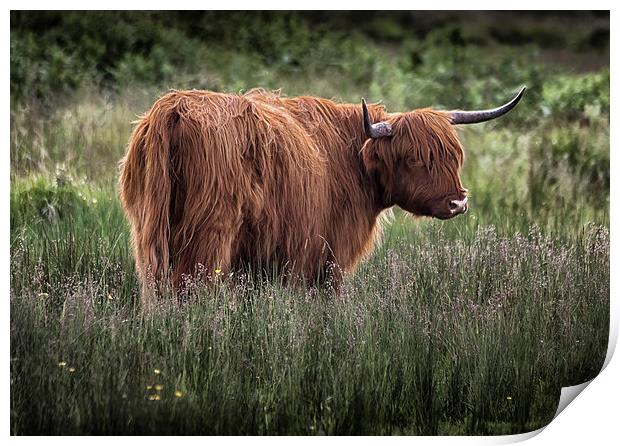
{"x": 226, "y": 181}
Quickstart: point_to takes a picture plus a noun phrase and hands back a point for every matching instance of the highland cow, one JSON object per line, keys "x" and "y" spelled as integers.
{"x": 226, "y": 181}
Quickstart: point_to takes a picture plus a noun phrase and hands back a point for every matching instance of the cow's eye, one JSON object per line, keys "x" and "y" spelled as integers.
{"x": 414, "y": 163}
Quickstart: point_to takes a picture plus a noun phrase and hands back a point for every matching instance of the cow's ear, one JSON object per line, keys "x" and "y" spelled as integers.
{"x": 370, "y": 155}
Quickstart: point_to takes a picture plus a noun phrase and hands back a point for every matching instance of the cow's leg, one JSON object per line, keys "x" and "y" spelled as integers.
{"x": 214, "y": 252}
{"x": 207, "y": 253}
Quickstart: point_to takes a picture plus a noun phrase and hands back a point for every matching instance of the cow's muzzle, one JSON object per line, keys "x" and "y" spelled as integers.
{"x": 457, "y": 207}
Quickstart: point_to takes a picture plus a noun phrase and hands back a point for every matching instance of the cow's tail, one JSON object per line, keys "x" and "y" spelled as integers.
{"x": 146, "y": 184}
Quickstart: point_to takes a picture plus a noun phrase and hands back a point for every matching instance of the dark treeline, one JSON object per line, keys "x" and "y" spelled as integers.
{"x": 59, "y": 51}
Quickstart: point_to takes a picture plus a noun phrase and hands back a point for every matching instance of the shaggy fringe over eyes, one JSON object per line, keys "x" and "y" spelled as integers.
{"x": 424, "y": 137}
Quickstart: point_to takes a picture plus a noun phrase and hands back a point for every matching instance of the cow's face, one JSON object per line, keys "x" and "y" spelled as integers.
{"x": 416, "y": 158}
{"x": 417, "y": 166}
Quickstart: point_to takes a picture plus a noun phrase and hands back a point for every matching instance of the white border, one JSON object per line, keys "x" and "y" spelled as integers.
{"x": 592, "y": 419}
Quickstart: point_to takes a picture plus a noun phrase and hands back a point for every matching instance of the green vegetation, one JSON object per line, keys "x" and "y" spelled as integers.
{"x": 469, "y": 326}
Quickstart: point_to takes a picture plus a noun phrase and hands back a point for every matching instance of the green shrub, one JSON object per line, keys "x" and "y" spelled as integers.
{"x": 577, "y": 97}
{"x": 43, "y": 202}
{"x": 41, "y": 71}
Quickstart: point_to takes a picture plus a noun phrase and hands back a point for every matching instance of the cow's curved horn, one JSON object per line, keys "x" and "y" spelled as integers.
{"x": 472, "y": 117}
{"x": 378, "y": 130}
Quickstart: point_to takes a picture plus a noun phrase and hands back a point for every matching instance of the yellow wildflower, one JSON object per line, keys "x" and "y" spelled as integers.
{"x": 157, "y": 371}
{"x": 155, "y": 397}
{"x": 149, "y": 387}
{"x": 218, "y": 270}
{"x": 158, "y": 387}
{"x": 178, "y": 393}
{"x": 62, "y": 364}
{"x": 71, "y": 369}
{"x": 509, "y": 397}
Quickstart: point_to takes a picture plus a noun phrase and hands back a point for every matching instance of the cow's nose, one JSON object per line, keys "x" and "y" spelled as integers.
{"x": 458, "y": 206}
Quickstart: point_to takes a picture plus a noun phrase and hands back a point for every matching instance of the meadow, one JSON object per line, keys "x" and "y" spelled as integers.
{"x": 467, "y": 326}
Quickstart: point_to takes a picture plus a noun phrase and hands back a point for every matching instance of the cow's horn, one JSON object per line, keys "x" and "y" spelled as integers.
{"x": 472, "y": 117}
{"x": 378, "y": 130}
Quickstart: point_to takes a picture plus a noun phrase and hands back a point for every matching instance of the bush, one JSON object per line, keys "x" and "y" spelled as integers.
{"x": 44, "y": 202}
{"x": 582, "y": 97}
{"x": 44, "y": 71}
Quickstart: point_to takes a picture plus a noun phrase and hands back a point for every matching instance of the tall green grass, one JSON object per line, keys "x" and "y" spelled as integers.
{"x": 450, "y": 328}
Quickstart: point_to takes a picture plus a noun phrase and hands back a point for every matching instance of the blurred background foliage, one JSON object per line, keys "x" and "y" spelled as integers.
{"x": 79, "y": 78}
{"x": 432, "y": 54}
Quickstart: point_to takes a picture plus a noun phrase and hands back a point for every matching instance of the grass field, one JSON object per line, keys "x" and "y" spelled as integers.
{"x": 467, "y": 326}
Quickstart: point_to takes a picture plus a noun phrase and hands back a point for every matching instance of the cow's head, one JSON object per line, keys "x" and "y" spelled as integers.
{"x": 416, "y": 158}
